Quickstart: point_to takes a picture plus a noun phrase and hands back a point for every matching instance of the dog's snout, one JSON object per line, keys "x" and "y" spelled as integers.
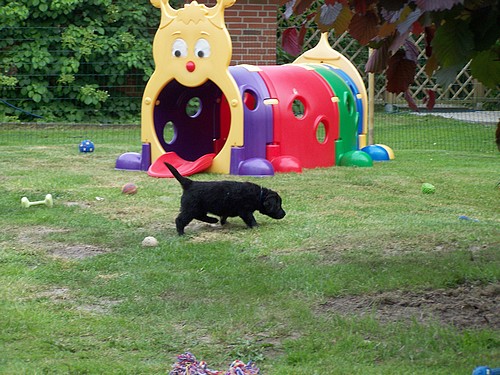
{"x": 279, "y": 215}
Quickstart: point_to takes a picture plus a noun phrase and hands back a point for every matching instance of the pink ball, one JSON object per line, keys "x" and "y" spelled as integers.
{"x": 129, "y": 188}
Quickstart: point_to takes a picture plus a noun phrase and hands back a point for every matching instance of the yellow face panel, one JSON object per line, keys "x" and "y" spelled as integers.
{"x": 192, "y": 46}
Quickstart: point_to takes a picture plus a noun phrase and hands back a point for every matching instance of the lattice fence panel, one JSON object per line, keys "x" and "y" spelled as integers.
{"x": 464, "y": 91}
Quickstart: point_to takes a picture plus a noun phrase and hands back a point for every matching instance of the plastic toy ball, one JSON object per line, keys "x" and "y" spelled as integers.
{"x": 86, "y": 146}
{"x": 428, "y": 188}
{"x": 485, "y": 370}
{"x": 149, "y": 241}
{"x": 129, "y": 189}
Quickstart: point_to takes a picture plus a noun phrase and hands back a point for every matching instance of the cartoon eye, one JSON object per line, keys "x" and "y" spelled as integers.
{"x": 179, "y": 48}
{"x": 202, "y": 48}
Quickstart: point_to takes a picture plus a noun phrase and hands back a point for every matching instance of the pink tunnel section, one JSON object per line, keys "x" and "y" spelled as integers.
{"x": 306, "y": 120}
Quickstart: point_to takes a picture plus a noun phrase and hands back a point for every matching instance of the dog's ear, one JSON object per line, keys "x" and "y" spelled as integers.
{"x": 271, "y": 201}
{"x": 271, "y": 206}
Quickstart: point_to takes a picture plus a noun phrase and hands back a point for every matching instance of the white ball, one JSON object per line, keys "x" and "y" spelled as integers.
{"x": 149, "y": 242}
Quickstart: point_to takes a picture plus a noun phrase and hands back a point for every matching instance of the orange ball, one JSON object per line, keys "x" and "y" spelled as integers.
{"x": 129, "y": 189}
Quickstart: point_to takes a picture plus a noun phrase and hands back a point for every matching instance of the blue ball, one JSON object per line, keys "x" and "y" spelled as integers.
{"x": 378, "y": 153}
{"x": 86, "y": 146}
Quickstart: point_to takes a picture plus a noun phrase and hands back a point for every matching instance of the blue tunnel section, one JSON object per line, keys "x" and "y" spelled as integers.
{"x": 355, "y": 91}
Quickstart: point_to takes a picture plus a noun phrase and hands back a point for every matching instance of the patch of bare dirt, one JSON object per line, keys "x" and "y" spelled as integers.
{"x": 202, "y": 232}
{"x": 78, "y": 204}
{"x": 63, "y": 295}
{"x": 33, "y": 235}
{"x": 55, "y": 294}
{"x": 103, "y": 306}
{"x": 36, "y": 238}
{"x": 75, "y": 251}
{"x": 465, "y": 307}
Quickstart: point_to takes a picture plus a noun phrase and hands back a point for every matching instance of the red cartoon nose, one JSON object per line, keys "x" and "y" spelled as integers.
{"x": 190, "y": 66}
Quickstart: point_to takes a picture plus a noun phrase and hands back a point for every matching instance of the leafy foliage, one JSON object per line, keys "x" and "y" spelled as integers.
{"x": 456, "y": 31}
{"x": 400, "y": 72}
{"x": 82, "y": 53}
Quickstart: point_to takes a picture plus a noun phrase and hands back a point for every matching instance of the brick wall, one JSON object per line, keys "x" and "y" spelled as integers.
{"x": 252, "y": 26}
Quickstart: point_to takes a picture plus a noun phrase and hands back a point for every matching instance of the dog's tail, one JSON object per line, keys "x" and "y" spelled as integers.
{"x": 184, "y": 181}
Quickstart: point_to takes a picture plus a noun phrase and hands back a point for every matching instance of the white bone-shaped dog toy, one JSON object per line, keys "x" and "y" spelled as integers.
{"x": 48, "y": 201}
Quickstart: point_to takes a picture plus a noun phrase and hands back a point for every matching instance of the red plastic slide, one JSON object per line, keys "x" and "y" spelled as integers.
{"x": 185, "y": 167}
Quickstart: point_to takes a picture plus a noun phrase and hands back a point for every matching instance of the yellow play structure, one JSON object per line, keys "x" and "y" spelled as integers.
{"x": 198, "y": 113}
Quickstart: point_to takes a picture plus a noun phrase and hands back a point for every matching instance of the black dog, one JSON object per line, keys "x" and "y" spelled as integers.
{"x": 224, "y": 199}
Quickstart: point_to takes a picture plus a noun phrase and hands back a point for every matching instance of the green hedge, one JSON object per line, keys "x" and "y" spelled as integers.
{"x": 75, "y": 60}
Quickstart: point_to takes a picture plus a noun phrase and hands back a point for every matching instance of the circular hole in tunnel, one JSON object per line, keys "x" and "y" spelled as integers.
{"x": 298, "y": 108}
{"x": 169, "y": 132}
{"x": 350, "y": 105}
{"x": 250, "y": 100}
{"x": 193, "y": 107}
{"x": 321, "y": 132}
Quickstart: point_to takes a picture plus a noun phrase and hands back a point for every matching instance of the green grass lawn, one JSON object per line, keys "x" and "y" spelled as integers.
{"x": 364, "y": 275}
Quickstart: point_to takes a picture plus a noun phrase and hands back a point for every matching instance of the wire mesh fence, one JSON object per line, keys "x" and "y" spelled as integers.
{"x": 65, "y": 102}
{"x": 472, "y": 131}
{"x": 41, "y": 134}
{"x": 401, "y": 130}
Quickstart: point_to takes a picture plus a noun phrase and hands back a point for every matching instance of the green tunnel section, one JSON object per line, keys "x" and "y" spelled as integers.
{"x": 348, "y": 115}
